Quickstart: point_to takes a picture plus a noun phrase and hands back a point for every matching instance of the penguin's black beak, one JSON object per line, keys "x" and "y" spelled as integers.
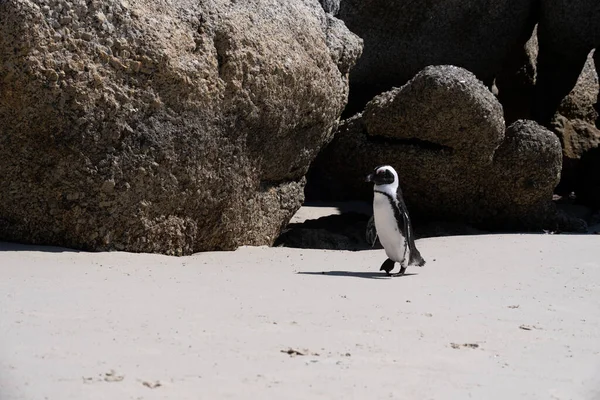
{"x": 369, "y": 178}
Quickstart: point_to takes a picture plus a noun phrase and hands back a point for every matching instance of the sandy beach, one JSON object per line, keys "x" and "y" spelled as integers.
{"x": 155, "y": 133}
{"x": 494, "y": 317}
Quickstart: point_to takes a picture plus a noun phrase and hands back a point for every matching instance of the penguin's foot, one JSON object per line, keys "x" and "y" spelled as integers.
{"x": 387, "y": 266}
{"x": 402, "y": 271}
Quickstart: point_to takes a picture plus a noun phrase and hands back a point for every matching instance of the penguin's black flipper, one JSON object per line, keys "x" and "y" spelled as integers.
{"x": 387, "y": 266}
{"x": 371, "y": 233}
{"x": 415, "y": 256}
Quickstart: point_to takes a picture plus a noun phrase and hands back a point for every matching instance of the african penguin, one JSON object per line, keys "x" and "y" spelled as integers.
{"x": 392, "y": 222}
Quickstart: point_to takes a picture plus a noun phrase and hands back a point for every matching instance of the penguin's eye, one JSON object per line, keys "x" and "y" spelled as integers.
{"x": 389, "y": 176}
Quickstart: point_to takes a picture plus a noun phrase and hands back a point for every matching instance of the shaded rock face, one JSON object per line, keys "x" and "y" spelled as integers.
{"x": 587, "y": 181}
{"x": 331, "y": 6}
{"x": 575, "y": 120}
{"x": 403, "y": 37}
{"x": 175, "y": 128}
{"x": 516, "y": 82}
{"x": 444, "y": 133}
{"x": 577, "y": 124}
{"x": 567, "y": 32}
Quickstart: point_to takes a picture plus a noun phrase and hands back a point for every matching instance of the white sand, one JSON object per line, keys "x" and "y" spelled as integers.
{"x": 318, "y": 209}
{"x": 212, "y": 325}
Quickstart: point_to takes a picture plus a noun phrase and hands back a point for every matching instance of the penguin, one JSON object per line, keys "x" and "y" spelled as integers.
{"x": 392, "y": 222}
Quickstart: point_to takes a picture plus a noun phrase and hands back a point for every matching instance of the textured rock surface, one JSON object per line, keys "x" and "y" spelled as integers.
{"x": 414, "y": 112}
{"x": 163, "y": 127}
{"x": 331, "y": 6}
{"x": 444, "y": 133}
{"x": 577, "y": 116}
{"x": 525, "y": 171}
{"x": 403, "y": 37}
{"x": 575, "y": 121}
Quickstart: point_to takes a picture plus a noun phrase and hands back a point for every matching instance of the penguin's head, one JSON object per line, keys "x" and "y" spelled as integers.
{"x": 383, "y": 175}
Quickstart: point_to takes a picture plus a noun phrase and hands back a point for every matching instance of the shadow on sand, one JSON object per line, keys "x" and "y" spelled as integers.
{"x": 353, "y": 274}
{"x": 9, "y": 246}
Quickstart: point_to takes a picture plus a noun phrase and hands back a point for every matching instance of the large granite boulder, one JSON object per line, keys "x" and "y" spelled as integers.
{"x": 163, "y": 127}
{"x": 444, "y": 133}
{"x": 403, "y": 37}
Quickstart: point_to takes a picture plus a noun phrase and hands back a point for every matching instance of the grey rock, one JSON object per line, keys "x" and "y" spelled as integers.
{"x": 575, "y": 120}
{"x": 398, "y": 114}
{"x": 403, "y": 37}
{"x": 345, "y": 48}
{"x": 527, "y": 168}
{"x": 444, "y": 133}
{"x": 576, "y": 123}
{"x": 581, "y": 101}
{"x": 203, "y": 117}
{"x": 567, "y": 32}
{"x": 331, "y": 6}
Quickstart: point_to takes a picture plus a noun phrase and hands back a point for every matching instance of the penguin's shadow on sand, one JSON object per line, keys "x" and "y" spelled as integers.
{"x": 354, "y": 274}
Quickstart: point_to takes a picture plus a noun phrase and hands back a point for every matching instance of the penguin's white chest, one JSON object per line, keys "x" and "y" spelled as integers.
{"x": 388, "y": 231}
